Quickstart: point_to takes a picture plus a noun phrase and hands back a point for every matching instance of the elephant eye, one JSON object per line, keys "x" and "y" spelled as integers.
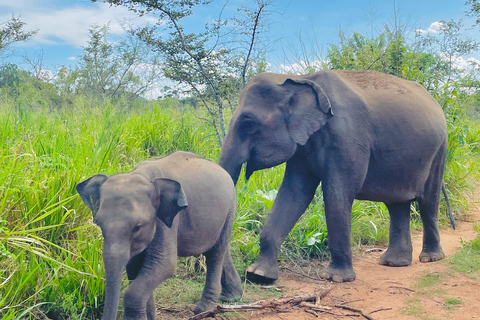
{"x": 137, "y": 228}
{"x": 249, "y": 124}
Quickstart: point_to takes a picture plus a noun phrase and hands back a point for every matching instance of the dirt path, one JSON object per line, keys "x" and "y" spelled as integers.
{"x": 395, "y": 290}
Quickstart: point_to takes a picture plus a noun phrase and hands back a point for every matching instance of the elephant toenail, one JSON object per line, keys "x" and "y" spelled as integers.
{"x": 259, "y": 272}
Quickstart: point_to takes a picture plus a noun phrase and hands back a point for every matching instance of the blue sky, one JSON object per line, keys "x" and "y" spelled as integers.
{"x": 63, "y": 24}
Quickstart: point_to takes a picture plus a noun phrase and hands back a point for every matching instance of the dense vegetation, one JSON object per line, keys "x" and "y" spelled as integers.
{"x": 57, "y": 132}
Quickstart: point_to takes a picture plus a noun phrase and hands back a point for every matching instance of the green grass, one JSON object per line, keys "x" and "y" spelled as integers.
{"x": 413, "y": 307}
{"x": 467, "y": 260}
{"x": 50, "y": 250}
{"x": 428, "y": 280}
{"x": 452, "y": 303}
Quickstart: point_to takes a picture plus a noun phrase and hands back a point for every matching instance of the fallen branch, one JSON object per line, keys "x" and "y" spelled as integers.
{"x": 259, "y": 305}
{"x": 323, "y": 309}
{"x": 366, "y": 316}
{"x": 311, "y": 312}
{"x": 383, "y": 309}
{"x": 310, "y": 303}
{"x": 397, "y": 287}
{"x": 350, "y": 301}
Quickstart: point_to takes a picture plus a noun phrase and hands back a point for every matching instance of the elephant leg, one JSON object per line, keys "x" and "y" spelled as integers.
{"x": 151, "y": 313}
{"x": 428, "y": 204}
{"x": 133, "y": 268}
{"x": 221, "y": 273}
{"x": 294, "y": 196}
{"x": 214, "y": 259}
{"x": 432, "y": 250}
{"x": 160, "y": 259}
{"x": 231, "y": 283}
{"x": 399, "y": 252}
{"x": 338, "y": 212}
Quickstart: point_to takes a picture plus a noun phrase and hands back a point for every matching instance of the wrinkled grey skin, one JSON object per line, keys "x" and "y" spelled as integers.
{"x": 180, "y": 205}
{"x": 365, "y": 135}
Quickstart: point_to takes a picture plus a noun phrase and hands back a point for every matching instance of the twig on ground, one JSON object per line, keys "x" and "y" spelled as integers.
{"x": 262, "y": 304}
{"x": 373, "y": 250}
{"x": 382, "y": 309}
{"x": 404, "y": 288}
{"x": 323, "y": 309}
{"x": 350, "y": 301}
{"x": 392, "y": 281}
{"x": 305, "y": 301}
{"x": 311, "y": 312}
{"x": 320, "y": 294}
{"x": 277, "y": 288}
{"x": 360, "y": 311}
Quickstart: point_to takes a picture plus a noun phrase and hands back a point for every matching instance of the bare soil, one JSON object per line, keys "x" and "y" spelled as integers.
{"x": 380, "y": 292}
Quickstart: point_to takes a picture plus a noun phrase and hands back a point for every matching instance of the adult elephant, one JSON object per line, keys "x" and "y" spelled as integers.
{"x": 365, "y": 135}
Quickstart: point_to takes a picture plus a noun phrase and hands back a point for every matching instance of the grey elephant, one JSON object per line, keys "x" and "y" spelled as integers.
{"x": 365, "y": 135}
{"x": 180, "y": 205}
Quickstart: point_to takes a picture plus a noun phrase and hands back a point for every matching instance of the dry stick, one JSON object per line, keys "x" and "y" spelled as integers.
{"x": 318, "y": 308}
{"x": 350, "y": 301}
{"x": 383, "y": 309}
{"x": 320, "y": 294}
{"x": 262, "y": 304}
{"x": 397, "y": 287}
{"x": 354, "y": 310}
{"x": 311, "y": 312}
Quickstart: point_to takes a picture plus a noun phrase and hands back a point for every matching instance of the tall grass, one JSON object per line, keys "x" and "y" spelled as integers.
{"x": 50, "y": 250}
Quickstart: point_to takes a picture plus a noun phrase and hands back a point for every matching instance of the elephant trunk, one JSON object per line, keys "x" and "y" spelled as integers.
{"x": 115, "y": 258}
{"x": 233, "y": 169}
{"x": 230, "y": 161}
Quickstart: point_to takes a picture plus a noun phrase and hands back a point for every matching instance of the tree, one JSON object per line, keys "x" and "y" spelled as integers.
{"x": 448, "y": 47}
{"x": 110, "y": 70}
{"x": 10, "y": 75}
{"x": 13, "y": 31}
{"x": 474, "y": 10}
{"x": 203, "y": 63}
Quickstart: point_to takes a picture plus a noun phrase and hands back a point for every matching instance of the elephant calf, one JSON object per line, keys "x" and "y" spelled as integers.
{"x": 194, "y": 201}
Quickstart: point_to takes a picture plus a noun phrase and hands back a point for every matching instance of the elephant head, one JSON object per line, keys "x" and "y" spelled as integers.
{"x": 276, "y": 114}
{"x": 126, "y": 206}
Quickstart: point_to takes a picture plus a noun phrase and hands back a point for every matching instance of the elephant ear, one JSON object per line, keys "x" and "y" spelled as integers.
{"x": 309, "y": 109}
{"x": 172, "y": 199}
{"x": 89, "y": 191}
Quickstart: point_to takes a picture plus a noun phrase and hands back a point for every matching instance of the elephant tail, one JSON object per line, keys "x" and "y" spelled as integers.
{"x": 449, "y": 209}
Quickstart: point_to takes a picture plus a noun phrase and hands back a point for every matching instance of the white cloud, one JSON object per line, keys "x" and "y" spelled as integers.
{"x": 433, "y": 28}
{"x": 63, "y": 25}
{"x": 466, "y": 64}
{"x": 72, "y": 58}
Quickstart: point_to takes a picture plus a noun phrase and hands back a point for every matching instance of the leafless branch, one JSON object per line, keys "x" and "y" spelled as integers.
{"x": 262, "y": 5}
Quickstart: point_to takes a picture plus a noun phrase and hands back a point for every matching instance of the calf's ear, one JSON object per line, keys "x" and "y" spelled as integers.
{"x": 172, "y": 199}
{"x": 89, "y": 191}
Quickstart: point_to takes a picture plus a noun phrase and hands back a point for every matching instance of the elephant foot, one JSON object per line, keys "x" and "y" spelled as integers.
{"x": 431, "y": 256}
{"x": 338, "y": 274}
{"x": 134, "y": 316}
{"x": 262, "y": 273}
{"x": 396, "y": 259}
{"x": 231, "y": 295}
{"x": 203, "y": 306}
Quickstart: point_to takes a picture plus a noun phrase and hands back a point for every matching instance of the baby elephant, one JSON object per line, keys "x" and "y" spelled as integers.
{"x": 195, "y": 203}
